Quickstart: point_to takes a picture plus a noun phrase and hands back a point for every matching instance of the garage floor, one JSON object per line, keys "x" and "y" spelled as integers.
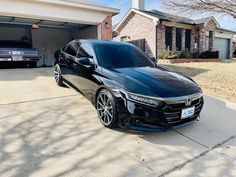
{"x": 46, "y": 130}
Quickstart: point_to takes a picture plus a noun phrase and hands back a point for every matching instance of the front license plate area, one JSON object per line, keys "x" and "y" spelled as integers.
{"x": 188, "y": 112}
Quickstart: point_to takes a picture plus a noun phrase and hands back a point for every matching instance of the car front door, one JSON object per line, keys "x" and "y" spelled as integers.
{"x": 87, "y": 76}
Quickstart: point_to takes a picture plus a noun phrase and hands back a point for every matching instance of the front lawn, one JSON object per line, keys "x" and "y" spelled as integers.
{"x": 216, "y": 79}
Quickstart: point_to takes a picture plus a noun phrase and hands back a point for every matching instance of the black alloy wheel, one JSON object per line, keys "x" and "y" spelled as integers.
{"x": 57, "y": 75}
{"x": 106, "y": 109}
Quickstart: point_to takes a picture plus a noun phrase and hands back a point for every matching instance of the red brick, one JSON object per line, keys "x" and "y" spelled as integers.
{"x": 106, "y": 29}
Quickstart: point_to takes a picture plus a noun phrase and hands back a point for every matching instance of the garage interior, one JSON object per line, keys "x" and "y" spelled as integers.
{"x": 44, "y": 35}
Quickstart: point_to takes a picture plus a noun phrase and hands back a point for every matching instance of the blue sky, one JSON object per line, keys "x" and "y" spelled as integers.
{"x": 124, "y": 5}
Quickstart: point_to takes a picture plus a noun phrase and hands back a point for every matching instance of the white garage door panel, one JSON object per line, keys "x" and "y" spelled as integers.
{"x": 47, "y": 41}
{"x": 223, "y": 46}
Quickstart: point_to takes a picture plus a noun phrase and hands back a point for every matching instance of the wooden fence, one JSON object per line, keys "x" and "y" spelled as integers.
{"x": 140, "y": 43}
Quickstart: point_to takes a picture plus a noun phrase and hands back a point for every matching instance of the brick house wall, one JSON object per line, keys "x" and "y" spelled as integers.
{"x": 139, "y": 27}
{"x": 192, "y": 39}
{"x": 106, "y": 29}
{"x": 210, "y": 27}
{"x": 202, "y": 39}
{"x": 161, "y": 43}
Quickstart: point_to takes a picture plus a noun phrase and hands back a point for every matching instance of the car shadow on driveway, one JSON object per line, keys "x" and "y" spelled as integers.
{"x": 63, "y": 137}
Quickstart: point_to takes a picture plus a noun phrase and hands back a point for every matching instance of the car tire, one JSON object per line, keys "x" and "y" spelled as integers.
{"x": 106, "y": 109}
{"x": 57, "y": 75}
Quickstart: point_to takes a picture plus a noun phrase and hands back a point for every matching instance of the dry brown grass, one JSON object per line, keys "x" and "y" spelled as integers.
{"x": 216, "y": 79}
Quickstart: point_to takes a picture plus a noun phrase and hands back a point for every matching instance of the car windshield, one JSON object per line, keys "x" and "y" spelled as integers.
{"x": 121, "y": 56}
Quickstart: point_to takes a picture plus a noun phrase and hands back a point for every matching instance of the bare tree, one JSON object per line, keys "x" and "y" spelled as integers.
{"x": 202, "y": 6}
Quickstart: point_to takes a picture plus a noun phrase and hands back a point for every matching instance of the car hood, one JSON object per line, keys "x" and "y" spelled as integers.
{"x": 154, "y": 81}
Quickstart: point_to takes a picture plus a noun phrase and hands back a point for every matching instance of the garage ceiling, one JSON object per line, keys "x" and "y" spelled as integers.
{"x": 43, "y": 23}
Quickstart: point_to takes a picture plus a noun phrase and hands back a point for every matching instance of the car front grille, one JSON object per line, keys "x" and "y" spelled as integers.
{"x": 172, "y": 112}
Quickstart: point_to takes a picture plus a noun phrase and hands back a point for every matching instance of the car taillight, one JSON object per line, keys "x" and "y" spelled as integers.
{"x": 5, "y": 52}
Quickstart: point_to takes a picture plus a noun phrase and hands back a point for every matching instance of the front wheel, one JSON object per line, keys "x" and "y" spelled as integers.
{"x": 106, "y": 109}
{"x": 57, "y": 75}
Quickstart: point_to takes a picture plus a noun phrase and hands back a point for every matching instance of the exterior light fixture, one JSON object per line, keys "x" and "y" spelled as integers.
{"x": 34, "y": 26}
{"x": 106, "y": 24}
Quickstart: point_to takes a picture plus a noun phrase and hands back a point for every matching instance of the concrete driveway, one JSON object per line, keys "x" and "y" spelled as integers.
{"x": 50, "y": 131}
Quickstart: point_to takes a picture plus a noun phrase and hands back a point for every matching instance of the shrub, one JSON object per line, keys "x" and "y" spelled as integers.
{"x": 183, "y": 55}
{"x": 187, "y": 54}
{"x": 209, "y": 54}
{"x": 168, "y": 55}
{"x": 196, "y": 54}
{"x": 234, "y": 54}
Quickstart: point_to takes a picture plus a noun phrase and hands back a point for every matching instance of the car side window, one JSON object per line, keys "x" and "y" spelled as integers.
{"x": 82, "y": 53}
{"x": 72, "y": 48}
{"x": 64, "y": 48}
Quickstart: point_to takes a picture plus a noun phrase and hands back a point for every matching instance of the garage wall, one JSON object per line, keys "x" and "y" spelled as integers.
{"x": 47, "y": 41}
{"x": 88, "y": 33}
{"x": 13, "y": 33}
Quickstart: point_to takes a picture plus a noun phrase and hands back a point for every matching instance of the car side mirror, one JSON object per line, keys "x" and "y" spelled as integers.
{"x": 85, "y": 61}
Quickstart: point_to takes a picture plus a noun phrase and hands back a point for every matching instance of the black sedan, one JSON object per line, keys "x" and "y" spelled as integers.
{"x": 127, "y": 87}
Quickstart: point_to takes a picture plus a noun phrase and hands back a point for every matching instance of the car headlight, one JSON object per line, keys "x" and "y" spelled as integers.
{"x": 142, "y": 99}
{"x": 136, "y": 97}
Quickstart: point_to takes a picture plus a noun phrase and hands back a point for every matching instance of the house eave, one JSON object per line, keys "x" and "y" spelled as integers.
{"x": 97, "y": 7}
{"x": 215, "y": 21}
{"x": 155, "y": 20}
{"x": 220, "y": 30}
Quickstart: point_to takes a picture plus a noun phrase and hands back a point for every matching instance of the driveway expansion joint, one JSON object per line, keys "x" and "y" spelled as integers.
{"x": 38, "y": 100}
{"x": 191, "y": 139}
{"x": 178, "y": 167}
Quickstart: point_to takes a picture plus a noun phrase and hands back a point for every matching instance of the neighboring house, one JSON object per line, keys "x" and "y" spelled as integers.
{"x": 163, "y": 31}
{"x": 49, "y": 24}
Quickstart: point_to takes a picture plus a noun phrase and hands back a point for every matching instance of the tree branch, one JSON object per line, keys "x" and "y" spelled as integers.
{"x": 195, "y": 6}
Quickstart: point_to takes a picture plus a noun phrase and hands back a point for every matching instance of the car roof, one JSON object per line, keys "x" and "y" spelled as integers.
{"x": 95, "y": 42}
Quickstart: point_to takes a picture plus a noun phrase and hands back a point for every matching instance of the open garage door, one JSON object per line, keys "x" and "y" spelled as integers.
{"x": 43, "y": 35}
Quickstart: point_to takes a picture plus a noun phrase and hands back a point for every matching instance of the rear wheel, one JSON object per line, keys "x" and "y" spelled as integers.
{"x": 106, "y": 109}
{"x": 57, "y": 75}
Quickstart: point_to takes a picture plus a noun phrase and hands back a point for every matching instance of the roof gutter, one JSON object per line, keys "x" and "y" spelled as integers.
{"x": 88, "y": 6}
